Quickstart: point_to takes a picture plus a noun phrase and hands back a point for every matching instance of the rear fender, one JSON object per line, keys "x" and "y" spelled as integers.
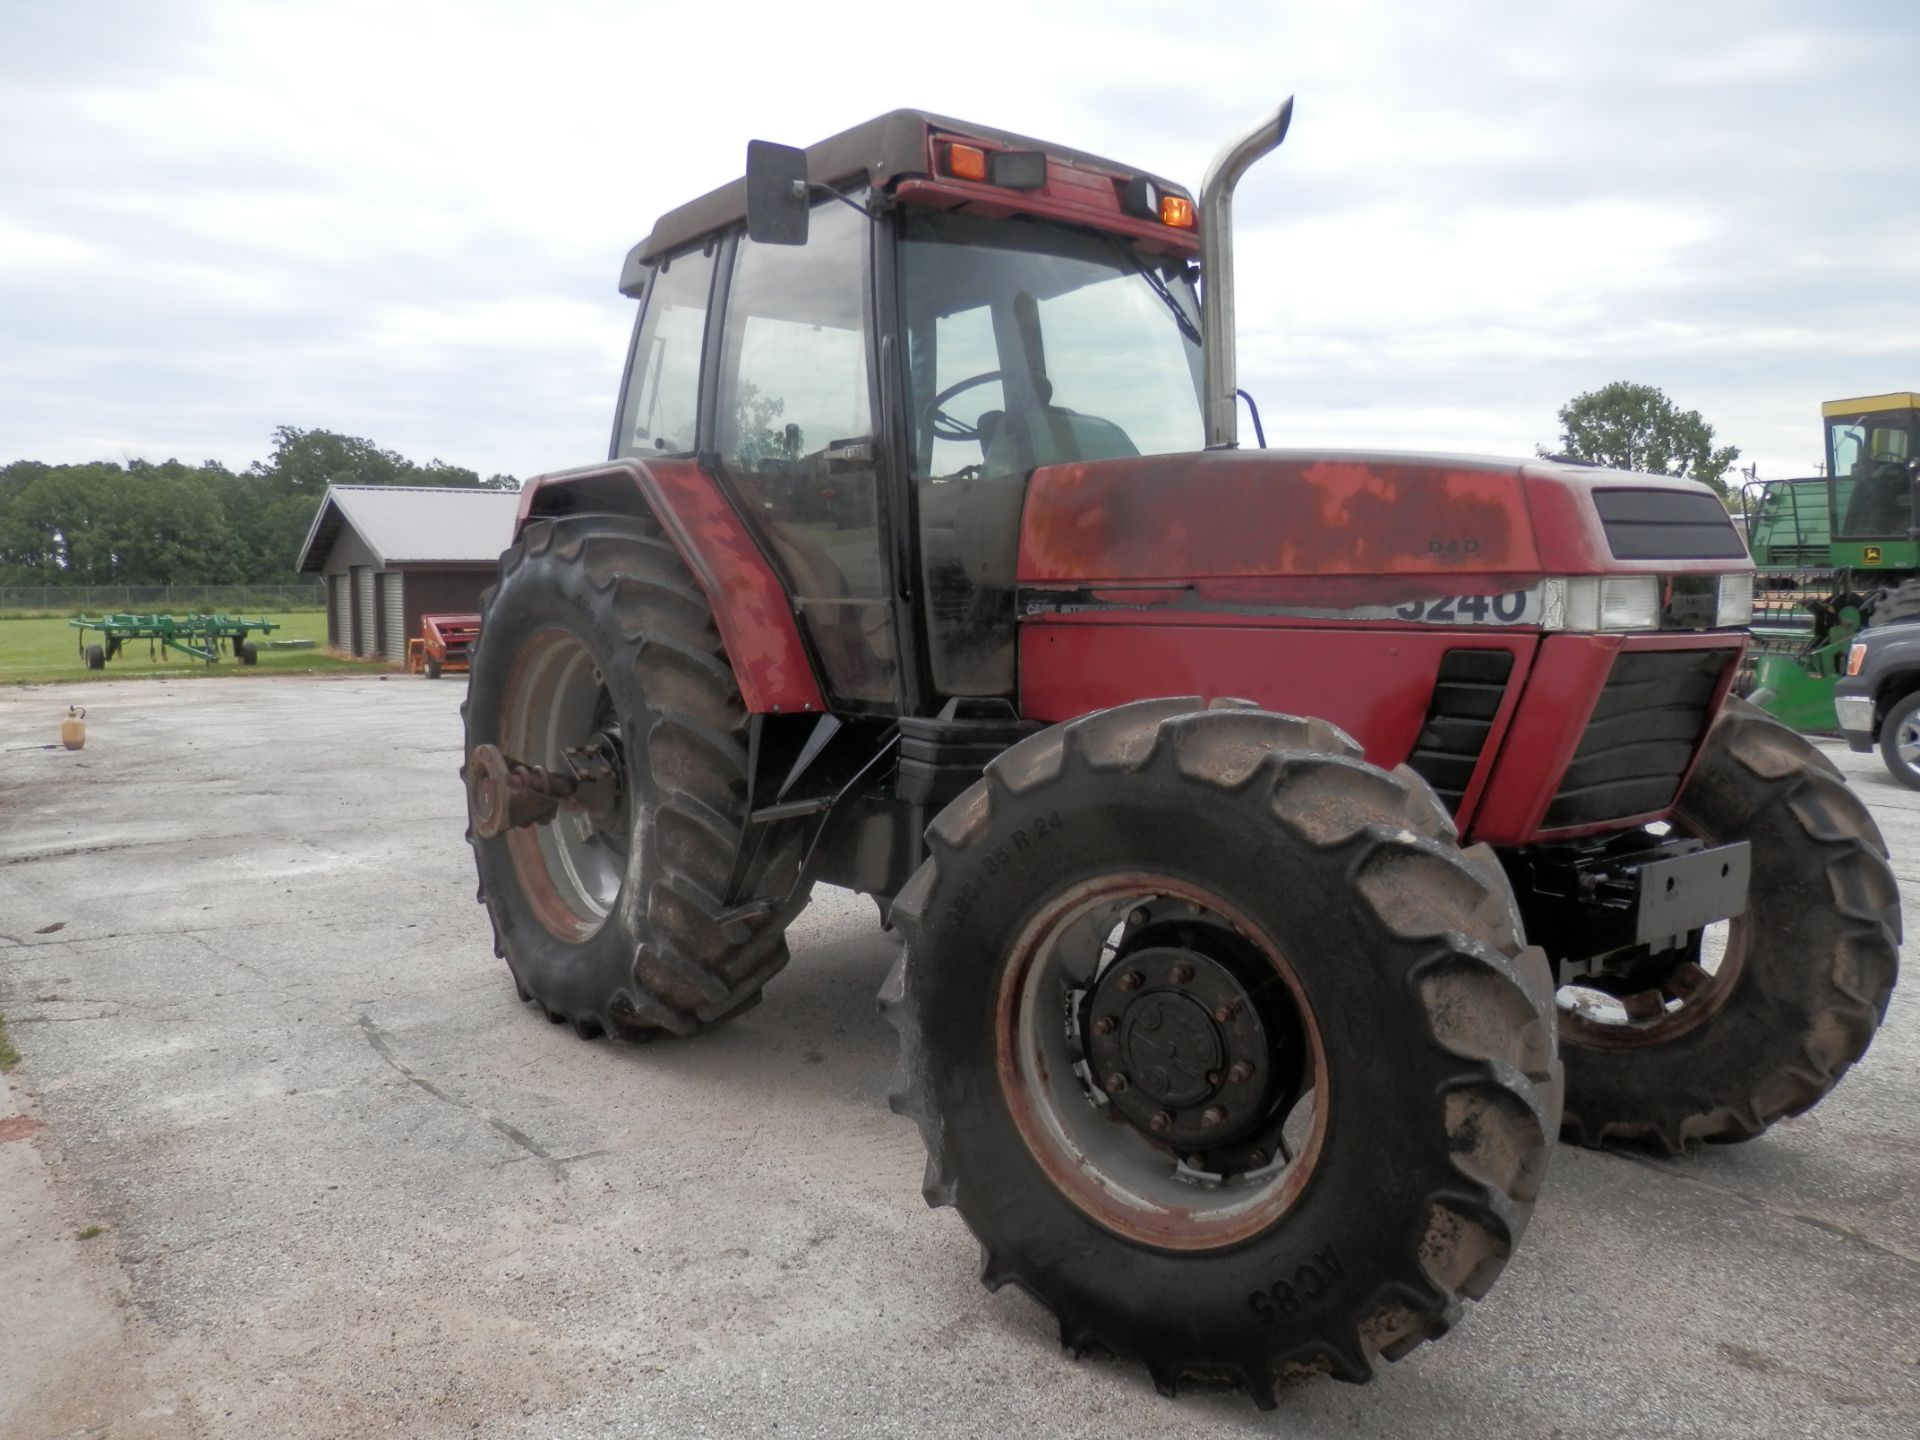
{"x": 749, "y": 600}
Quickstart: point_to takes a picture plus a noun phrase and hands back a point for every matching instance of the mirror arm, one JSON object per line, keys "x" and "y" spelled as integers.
{"x": 847, "y": 200}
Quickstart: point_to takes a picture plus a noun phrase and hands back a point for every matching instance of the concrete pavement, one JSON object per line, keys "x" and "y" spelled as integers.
{"x": 350, "y": 1186}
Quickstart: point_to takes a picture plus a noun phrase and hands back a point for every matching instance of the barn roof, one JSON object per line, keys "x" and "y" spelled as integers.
{"x": 413, "y": 524}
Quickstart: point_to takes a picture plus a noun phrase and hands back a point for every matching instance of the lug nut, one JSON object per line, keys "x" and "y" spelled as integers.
{"x": 1241, "y": 1072}
{"x": 1104, "y": 1025}
{"x": 1212, "y": 1118}
{"x": 1132, "y": 980}
{"x": 1115, "y": 1084}
{"x": 1181, "y": 974}
{"x": 1213, "y": 1077}
{"x": 1227, "y": 1013}
{"x": 1256, "y": 1158}
{"x": 1160, "y": 1121}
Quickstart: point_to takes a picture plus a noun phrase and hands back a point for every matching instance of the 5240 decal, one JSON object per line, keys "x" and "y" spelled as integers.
{"x": 1514, "y": 607}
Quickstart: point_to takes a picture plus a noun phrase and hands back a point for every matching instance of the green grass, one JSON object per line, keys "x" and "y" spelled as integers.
{"x": 42, "y": 651}
{"x": 64, "y": 613}
{"x": 92, "y": 1232}
{"x": 9, "y": 1057}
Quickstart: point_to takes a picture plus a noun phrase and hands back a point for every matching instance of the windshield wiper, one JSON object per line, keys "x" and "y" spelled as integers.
{"x": 1159, "y": 287}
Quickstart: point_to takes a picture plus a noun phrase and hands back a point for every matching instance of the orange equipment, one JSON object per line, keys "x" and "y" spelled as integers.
{"x": 445, "y": 643}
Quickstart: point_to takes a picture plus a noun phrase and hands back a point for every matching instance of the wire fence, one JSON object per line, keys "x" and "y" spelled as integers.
{"x": 174, "y": 599}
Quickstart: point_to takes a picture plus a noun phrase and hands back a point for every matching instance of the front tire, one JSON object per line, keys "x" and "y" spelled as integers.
{"x": 1407, "y": 1092}
{"x": 597, "y": 636}
{"x": 1806, "y": 973}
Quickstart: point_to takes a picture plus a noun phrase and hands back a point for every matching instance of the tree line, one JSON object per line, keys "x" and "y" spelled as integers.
{"x": 169, "y": 523}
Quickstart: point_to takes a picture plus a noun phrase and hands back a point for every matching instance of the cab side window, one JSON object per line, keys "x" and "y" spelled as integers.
{"x": 794, "y": 429}
{"x": 662, "y": 403}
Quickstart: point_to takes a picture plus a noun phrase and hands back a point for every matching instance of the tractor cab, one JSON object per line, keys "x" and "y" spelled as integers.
{"x": 890, "y": 347}
{"x": 1871, "y": 459}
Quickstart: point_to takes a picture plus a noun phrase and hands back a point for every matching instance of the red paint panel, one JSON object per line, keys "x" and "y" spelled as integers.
{"x": 1061, "y": 199}
{"x": 1375, "y": 684}
{"x": 1268, "y": 514}
{"x": 1548, "y": 725}
{"x": 750, "y": 605}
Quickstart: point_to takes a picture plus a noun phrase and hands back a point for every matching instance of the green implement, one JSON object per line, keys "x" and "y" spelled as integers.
{"x": 198, "y": 636}
{"x": 1833, "y": 555}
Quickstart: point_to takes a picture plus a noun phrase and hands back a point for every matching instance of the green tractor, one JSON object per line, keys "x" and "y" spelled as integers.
{"x": 1833, "y": 555}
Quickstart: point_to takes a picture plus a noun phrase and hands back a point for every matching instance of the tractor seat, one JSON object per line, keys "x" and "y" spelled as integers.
{"x": 1057, "y": 435}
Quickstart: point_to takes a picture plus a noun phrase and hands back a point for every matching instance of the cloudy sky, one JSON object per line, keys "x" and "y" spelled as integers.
{"x": 405, "y": 220}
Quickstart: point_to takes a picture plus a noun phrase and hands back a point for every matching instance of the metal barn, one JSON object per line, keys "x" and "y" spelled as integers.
{"x": 392, "y": 553}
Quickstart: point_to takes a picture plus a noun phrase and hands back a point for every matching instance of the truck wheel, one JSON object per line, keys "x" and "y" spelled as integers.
{"x": 432, "y": 669}
{"x": 1222, "y": 1047}
{"x": 96, "y": 658}
{"x": 1900, "y": 741}
{"x": 1718, "y": 1046}
{"x": 596, "y": 634}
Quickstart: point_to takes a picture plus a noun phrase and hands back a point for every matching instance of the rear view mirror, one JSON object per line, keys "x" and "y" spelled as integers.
{"x": 777, "y": 193}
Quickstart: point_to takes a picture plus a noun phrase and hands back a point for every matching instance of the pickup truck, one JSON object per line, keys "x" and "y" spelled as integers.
{"x": 1878, "y": 698}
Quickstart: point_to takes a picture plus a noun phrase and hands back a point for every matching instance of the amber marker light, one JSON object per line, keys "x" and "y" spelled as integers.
{"x": 1176, "y": 210}
{"x": 967, "y": 162}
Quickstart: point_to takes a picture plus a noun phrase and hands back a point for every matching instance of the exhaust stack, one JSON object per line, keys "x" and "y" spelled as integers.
{"x": 1216, "y": 271}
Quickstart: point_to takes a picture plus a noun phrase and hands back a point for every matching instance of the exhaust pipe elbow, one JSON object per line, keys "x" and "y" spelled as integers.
{"x": 1222, "y": 414}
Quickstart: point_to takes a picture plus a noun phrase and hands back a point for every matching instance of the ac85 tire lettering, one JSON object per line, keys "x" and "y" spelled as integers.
{"x": 1309, "y": 1283}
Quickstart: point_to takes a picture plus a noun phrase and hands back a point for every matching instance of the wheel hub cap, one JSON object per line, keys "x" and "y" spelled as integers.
{"x": 1179, "y": 1048}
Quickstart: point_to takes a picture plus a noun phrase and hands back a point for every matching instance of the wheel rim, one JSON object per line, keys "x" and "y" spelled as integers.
{"x": 572, "y": 868}
{"x": 1163, "y": 1112}
{"x": 1671, "y": 994}
{"x": 1907, "y": 742}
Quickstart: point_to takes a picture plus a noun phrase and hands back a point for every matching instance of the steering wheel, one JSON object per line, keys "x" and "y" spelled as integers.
{"x": 945, "y": 427}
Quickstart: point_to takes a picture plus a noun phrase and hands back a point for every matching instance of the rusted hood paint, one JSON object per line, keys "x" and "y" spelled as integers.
{"x": 1275, "y": 515}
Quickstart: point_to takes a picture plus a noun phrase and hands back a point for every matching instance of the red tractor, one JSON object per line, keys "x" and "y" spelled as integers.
{"x": 1276, "y": 836}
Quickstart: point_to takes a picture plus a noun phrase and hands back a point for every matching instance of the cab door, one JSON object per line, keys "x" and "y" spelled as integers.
{"x": 796, "y": 435}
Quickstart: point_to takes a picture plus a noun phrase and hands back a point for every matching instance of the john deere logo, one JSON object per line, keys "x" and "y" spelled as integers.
{"x": 1871, "y": 555}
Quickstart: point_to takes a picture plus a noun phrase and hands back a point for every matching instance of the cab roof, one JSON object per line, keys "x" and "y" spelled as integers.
{"x": 1896, "y": 400}
{"x": 876, "y": 153}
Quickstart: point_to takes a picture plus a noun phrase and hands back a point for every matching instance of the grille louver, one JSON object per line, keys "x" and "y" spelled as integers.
{"x": 1640, "y": 738}
{"x": 1466, "y": 697}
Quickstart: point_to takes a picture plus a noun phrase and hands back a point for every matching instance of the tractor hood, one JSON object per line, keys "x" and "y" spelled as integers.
{"x": 1335, "y": 529}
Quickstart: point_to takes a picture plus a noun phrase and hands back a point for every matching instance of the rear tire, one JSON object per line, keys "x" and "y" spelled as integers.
{"x": 1815, "y": 958}
{"x": 96, "y": 658}
{"x": 248, "y": 653}
{"x": 605, "y": 601}
{"x": 1900, "y": 741}
{"x": 1900, "y": 603}
{"x": 1433, "y": 1089}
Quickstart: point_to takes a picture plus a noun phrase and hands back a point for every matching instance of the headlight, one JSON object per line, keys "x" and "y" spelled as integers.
{"x": 1856, "y": 657}
{"x": 1601, "y": 602}
{"x": 1736, "y": 601}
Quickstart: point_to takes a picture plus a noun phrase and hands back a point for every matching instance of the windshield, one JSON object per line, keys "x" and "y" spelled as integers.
{"x": 1027, "y": 344}
{"x": 1868, "y": 456}
{"x": 1030, "y": 344}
